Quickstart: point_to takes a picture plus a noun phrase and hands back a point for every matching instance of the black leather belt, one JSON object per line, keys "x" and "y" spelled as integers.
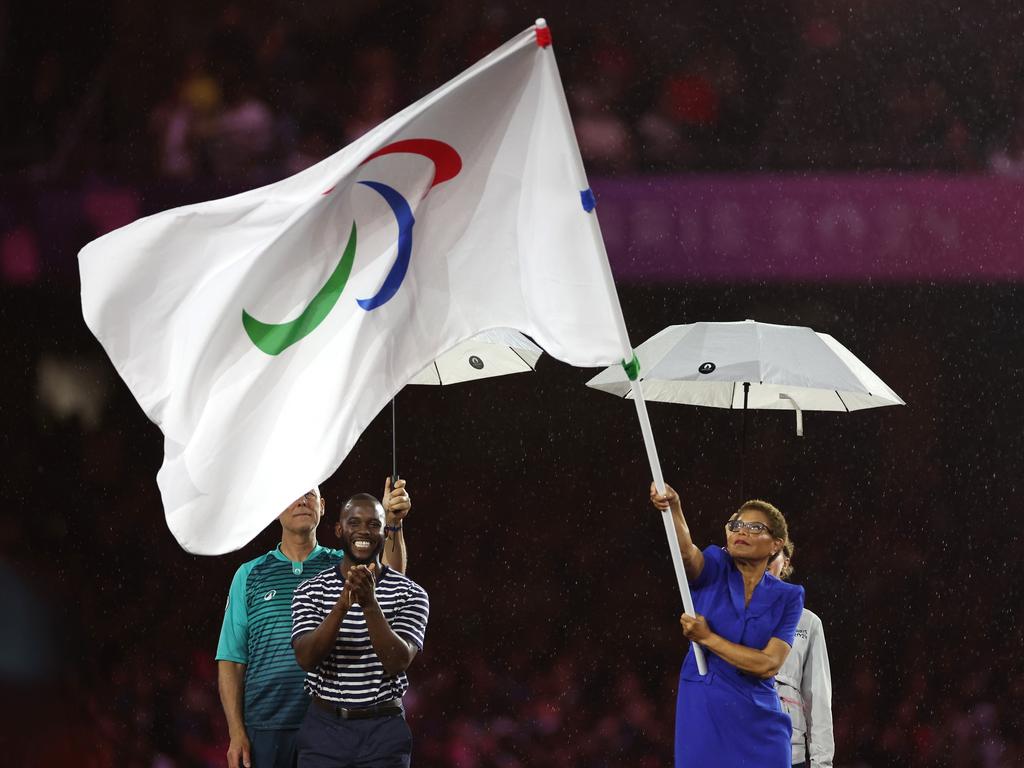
{"x": 383, "y": 709}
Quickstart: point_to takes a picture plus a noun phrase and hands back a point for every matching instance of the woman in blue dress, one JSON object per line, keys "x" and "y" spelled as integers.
{"x": 746, "y": 619}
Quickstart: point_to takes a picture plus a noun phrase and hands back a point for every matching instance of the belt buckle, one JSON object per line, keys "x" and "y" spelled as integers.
{"x": 347, "y": 713}
{"x": 352, "y": 713}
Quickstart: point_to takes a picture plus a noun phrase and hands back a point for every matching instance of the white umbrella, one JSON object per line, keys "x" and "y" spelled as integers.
{"x": 751, "y": 365}
{"x": 496, "y": 352}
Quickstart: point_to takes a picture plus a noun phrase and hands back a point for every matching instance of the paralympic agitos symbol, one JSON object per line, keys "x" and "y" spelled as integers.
{"x": 274, "y": 338}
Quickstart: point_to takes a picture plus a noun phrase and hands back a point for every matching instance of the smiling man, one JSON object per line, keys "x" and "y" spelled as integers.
{"x": 356, "y": 628}
{"x": 260, "y": 682}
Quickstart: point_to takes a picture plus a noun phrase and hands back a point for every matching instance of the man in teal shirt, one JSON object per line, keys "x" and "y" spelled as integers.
{"x": 260, "y": 682}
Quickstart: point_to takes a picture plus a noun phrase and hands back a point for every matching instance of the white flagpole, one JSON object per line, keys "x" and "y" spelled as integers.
{"x": 544, "y": 42}
{"x": 666, "y": 515}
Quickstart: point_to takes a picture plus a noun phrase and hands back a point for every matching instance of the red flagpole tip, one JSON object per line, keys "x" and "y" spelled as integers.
{"x": 543, "y": 33}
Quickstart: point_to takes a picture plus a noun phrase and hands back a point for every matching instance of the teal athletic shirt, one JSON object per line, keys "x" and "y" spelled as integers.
{"x": 257, "y": 632}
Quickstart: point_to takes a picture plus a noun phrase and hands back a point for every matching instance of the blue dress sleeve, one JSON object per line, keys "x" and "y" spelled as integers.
{"x": 715, "y": 567}
{"x": 785, "y": 630}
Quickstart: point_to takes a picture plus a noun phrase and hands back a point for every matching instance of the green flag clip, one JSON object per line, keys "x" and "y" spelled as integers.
{"x": 632, "y": 368}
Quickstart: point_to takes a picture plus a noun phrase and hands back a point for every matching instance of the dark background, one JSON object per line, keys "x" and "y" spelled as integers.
{"x": 553, "y": 637}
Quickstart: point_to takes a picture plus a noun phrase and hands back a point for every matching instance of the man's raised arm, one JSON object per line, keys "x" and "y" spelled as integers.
{"x": 396, "y": 502}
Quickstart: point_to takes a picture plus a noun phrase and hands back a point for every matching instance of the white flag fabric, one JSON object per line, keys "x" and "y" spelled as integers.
{"x": 264, "y": 331}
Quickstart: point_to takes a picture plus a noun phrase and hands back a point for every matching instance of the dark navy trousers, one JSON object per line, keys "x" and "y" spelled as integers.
{"x": 326, "y": 741}
{"x": 272, "y": 749}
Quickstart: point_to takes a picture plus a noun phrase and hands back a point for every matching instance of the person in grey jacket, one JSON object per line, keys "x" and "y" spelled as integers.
{"x": 804, "y": 683}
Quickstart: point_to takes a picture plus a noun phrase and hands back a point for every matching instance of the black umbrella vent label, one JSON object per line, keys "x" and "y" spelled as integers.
{"x": 476, "y": 362}
{"x": 706, "y": 367}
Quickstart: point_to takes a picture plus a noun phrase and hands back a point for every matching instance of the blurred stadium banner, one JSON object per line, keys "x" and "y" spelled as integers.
{"x": 841, "y": 228}
{"x": 670, "y": 228}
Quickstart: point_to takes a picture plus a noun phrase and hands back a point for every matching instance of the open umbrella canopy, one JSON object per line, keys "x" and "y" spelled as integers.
{"x": 786, "y": 367}
{"x": 496, "y": 352}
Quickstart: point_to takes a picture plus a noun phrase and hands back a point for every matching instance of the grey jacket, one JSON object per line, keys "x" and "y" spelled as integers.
{"x": 804, "y": 685}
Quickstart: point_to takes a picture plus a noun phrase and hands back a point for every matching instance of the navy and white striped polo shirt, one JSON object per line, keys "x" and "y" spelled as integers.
{"x": 352, "y": 675}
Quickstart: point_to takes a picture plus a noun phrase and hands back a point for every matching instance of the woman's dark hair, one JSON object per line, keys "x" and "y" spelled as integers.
{"x": 787, "y": 550}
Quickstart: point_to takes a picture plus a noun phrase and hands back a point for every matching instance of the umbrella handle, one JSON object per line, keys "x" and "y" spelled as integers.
{"x": 799, "y": 415}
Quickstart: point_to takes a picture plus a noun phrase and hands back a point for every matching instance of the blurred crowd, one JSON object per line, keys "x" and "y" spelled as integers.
{"x": 251, "y": 92}
{"x": 561, "y": 650}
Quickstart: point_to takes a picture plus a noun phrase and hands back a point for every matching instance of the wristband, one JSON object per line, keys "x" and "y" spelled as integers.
{"x": 393, "y": 529}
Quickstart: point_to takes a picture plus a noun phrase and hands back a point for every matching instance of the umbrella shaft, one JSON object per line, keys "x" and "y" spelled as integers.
{"x": 743, "y": 442}
{"x": 394, "y": 449}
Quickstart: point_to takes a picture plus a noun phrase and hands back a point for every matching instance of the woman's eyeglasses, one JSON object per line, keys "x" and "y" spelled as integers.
{"x": 743, "y": 525}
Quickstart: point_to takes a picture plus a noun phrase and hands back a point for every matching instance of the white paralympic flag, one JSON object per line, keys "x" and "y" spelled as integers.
{"x": 263, "y": 332}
